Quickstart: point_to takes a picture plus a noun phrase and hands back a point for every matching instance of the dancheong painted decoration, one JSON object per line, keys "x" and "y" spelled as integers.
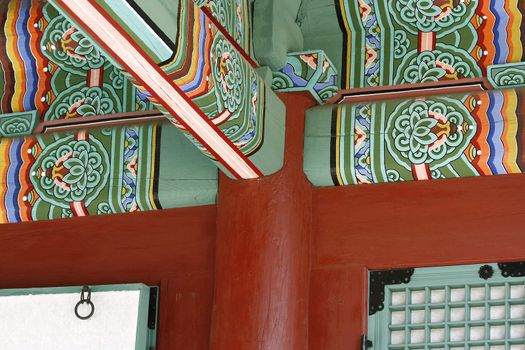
{"x": 432, "y": 137}
{"x": 187, "y": 67}
{"x": 101, "y": 171}
{"x": 49, "y": 70}
{"x": 52, "y": 70}
{"x": 235, "y": 17}
{"x": 403, "y": 43}
{"x": 409, "y": 41}
{"x": 196, "y": 62}
{"x": 310, "y": 71}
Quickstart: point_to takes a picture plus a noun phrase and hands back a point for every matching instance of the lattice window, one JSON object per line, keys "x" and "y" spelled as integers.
{"x": 451, "y": 308}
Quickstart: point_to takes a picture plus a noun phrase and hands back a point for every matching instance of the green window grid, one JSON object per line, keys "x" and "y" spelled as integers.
{"x": 451, "y": 308}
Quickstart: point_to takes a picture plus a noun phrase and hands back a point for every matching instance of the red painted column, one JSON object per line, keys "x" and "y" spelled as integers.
{"x": 263, "y": 252}
{"x": 338, "y": 304}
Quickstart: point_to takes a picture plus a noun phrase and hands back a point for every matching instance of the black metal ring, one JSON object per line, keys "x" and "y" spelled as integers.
{"x": 86, "y": 301}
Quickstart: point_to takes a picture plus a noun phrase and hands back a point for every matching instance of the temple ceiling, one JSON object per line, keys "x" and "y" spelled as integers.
{"x": 210, "y": 67}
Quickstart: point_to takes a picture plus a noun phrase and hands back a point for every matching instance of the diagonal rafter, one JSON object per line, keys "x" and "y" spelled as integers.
{"x": 146, "y": 73}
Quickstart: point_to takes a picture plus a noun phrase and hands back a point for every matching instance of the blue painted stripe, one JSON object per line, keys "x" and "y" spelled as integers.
{"x": 13, "y": 181}
{"x": 27, "y": 57}
{"x": 495, "y": 118}
{"x": 497, "y": 7}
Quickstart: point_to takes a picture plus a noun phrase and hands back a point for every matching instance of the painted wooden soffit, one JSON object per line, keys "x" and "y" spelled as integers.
{"x": 437, "y": 134}
{"x": 51, "y": 76}
{"x": 53, "y": 79}
{"x": 177, "y": 55}
{"x": 420, "y": 138}
{"x": 107, "y": 170}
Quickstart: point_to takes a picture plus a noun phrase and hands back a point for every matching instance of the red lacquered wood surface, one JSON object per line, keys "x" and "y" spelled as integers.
{"x": 263, "y": 253}
{"x": 172, "y": 248}
{"x": 337, "y": 301}
{"x": 429, "y": 223}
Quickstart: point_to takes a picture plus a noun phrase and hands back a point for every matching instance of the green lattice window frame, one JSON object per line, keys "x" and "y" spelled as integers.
{"x": 451, "y": 308}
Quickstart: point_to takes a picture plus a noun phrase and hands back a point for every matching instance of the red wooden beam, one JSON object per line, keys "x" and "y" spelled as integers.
{"x": 171, "y": 248}
{"x": 445, "y": 222}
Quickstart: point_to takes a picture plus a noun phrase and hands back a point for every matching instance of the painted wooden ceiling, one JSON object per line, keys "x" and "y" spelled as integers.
{"x": 210, "y": 67}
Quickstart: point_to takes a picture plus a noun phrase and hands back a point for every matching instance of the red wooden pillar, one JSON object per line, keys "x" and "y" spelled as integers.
{"x": 263, "y": 252}
{"x": 338, "y": 304}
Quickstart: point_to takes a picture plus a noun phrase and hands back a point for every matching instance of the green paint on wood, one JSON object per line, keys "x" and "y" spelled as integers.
{"x": 507, "y": 75}
{"x": 18, "y": 124}
{"x": 310, "y": 71}
{"x": 226, "y": 86}
{"x": 435, "y": 137}
{"x": 186, "y": 178}
{"x": 275, "y": 31}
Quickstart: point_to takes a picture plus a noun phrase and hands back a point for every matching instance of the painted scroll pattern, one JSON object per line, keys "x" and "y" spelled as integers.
{"x": 49, "y": 67}
{"x": 310, "y": 71}
{"x": 411, "y": 41}
{"x": 507, "y": 75}
{"x": 217, "y": 78}
{"x": 234, "y": 16}
{"x": 429, "y": 138}
{"x": 102, "y": 171}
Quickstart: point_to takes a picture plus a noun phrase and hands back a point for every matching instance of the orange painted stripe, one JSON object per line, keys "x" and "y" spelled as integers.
{"x": 486, "y": 34}
{"x": 25, "y": 180}
{"x": 203, "y": 87}
{"x": 194, "y": 56}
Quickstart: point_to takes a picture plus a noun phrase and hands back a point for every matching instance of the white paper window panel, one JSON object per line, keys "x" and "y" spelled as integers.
{"x": 44, "y": 319}
{"x": 451, "y": 308}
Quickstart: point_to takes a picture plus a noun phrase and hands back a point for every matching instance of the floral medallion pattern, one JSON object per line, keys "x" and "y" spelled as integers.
{"x": 441, "y": 64}
{"x": 432, "y": 15}
{"x": 71, "y": 171}
{"x": 433, "y": 132}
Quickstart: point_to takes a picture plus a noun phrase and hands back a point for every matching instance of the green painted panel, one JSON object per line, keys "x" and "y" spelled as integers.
{"x": 451, "y": 308}
{"x": 18, "y": 124}
{"x": 507, "y": 75}
{"x": 218, "y": 79}
{"x": 275, "y": 32}
{"x": 433, "y": 137}
{"x": 186, "y": 178}
{"x": 102, "y": 171}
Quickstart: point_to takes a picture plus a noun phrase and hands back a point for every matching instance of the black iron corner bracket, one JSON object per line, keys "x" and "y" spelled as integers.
{"x": 515, "y": 269}
{"x": 365, "y": 343}
{"x": 378, "y": 281}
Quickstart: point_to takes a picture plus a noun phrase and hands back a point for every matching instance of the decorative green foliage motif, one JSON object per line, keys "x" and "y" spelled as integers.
{"x": 432, "y": 15}
{"x": 507, "y": 75}
{"x": 72, "y": 170}
{"x": 434, "y": 132}
{"x": 18, "y": 124}
{"x": 310, "y": 71}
